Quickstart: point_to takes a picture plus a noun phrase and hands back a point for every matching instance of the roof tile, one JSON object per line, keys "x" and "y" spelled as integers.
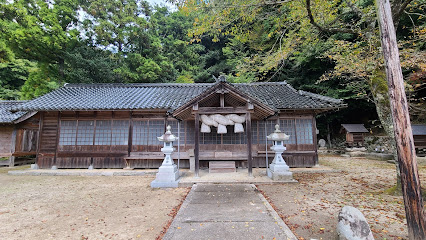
{"x": 168, "y": 96}
{"x": 6, "y": 115}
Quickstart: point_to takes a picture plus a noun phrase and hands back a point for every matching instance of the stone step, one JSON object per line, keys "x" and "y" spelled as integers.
{"x": 222, "y": 166}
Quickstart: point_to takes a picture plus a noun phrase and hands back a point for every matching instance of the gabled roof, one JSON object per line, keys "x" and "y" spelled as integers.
{"x": 263, "y": 110}
{"x": 355, "y": 128}
{"x": 6, "y": 116}
{"x": 168, "y": 96}
{"x": 418, "y": 129}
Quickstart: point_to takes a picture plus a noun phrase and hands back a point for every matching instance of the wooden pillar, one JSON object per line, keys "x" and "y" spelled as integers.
{"x": 314, "y": 138}
{"x": 249, "y": 151}
{"x": 12, "y": 148}
{"x": 197, "y": 144}
{"x": 222, "y": 100}
{"x": 57, "y": 138}
{"x": 40, "y": 129}
{"x": 130, "y": 139}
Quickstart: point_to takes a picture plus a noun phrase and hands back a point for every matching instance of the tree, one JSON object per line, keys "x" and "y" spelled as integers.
{"x": 13, "y": 75}
{"x": 345, "y": 34}
{"x": 39, "y": 31}
{"x": 117, "y": 24}
{"x": 39, "y": 82}
{"x": 416, "y": 220}
{"x": 89, "y": 64}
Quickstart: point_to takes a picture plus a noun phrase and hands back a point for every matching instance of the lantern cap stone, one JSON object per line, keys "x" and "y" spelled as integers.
{"x": 277, "y": 135}
{"x": 167, "y": 136}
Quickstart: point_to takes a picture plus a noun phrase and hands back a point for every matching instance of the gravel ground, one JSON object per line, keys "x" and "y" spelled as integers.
{"x": 72, "y": 207}
{"x": 310, "y": 208}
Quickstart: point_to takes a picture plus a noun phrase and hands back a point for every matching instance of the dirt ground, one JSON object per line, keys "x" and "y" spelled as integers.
{"x": 310, "y": 208}
{"x": 46, "y": 207}
{"x": 71, "y": 207}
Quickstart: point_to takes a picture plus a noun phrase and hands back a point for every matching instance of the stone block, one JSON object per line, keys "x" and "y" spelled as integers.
{"x": 192, "y": 164}
{"x": 356, "y": 149}
{"x": 352, "y": 225}
{"x": 280, "y": 176}
{"x": 158, "y": 184}
{"x": 321, "y": 143}
{"x": 279, "y": 167}
{"x": 357, "y": 154}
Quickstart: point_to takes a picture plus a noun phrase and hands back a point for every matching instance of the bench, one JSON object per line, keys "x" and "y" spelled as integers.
{"x": 223, "y": 156}
{"x": 222, "y": 166}
{"x": 151, "y": 156}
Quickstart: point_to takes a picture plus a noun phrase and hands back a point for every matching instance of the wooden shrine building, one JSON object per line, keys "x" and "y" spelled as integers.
{"x": 105, "y": 125}
{"x": 18, "y": 132}
{"x": 419, "y": 137}
{"x": 354, "y": 134}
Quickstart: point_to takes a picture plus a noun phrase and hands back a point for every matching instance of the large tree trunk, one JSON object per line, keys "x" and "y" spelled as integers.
{"x": 379, "y": 89}
{"x": 410, "y": 182}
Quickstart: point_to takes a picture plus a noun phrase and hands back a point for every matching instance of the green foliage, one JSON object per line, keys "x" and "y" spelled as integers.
{"x": 336, "y": 53}
{"x": 40, "y": 81}
{"x": 36, "y": 29}
{"x": 185, "y": 77}
{"x": 88, "y": 64}
{"x": 117, "y": 24}
{"x": 13, "y": 75}
{"x": 6, "y": 54}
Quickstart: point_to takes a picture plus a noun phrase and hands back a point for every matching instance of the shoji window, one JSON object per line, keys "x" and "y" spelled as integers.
{"x": 145, "y": 132}
{"x": 140, "y": 132}
{"x": 68, "y": 133}
{"x": 189, "y": 132}
{"x": 103, "y": 132}
{"x": 120, "y": 132}
{"x": 304, "y": 131}
{"x": 85, "y": 132}
{"x": 156, "y": 129}
{"x": 270, "y": 128}
{"x": 174, "y": 125}
{"x": 288, "y": 127}
{"x": 211, "y": 138}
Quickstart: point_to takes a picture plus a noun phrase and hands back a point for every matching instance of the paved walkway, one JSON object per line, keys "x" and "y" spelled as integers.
{"x": 225, "y": 211}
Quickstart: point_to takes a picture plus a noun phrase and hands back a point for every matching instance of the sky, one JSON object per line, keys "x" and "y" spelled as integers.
{"x": 161, "y": 2}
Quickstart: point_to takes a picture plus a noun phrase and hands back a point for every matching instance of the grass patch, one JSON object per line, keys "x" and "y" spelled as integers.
{"x": 4, "y": 170}
{"x": 393, "y": 191}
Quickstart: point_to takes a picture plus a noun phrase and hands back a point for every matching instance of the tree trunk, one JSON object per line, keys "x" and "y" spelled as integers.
{"x": 410, "y": 182}
{"x": 61, "y": 63}
{"x": 379, "y": 89}
{"x": 328, "y": 136}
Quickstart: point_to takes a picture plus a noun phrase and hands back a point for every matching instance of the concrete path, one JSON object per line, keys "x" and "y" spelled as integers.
{"x": 225, "y": 211}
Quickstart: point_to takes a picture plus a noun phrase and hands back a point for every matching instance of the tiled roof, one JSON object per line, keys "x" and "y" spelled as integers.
{"x": 6, "y": 116}
{"x": 418, "y": 129}
{"x": 355, "y": 128}
{"x": 168, "y": 96}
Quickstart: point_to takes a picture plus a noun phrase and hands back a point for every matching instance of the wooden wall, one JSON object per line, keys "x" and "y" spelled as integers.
{"x": 50, "y": 153}
{"x": 6, "y": 140}
{"x": 48, "y": 139}
{"x": 27, "y": 136}
{"x": 420, "y": 141}
{"x": 19, "y": 139}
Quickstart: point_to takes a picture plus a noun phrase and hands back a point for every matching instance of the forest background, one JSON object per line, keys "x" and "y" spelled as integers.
{"x": 326, "y": 47}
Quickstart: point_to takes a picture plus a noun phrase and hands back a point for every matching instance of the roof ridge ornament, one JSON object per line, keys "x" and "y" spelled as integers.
{"x": 222, "y": 78}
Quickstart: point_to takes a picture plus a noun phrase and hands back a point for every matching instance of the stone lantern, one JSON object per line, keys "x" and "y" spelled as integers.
{"x": 168, "y": 173}
{"x": 278, "y": 169}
